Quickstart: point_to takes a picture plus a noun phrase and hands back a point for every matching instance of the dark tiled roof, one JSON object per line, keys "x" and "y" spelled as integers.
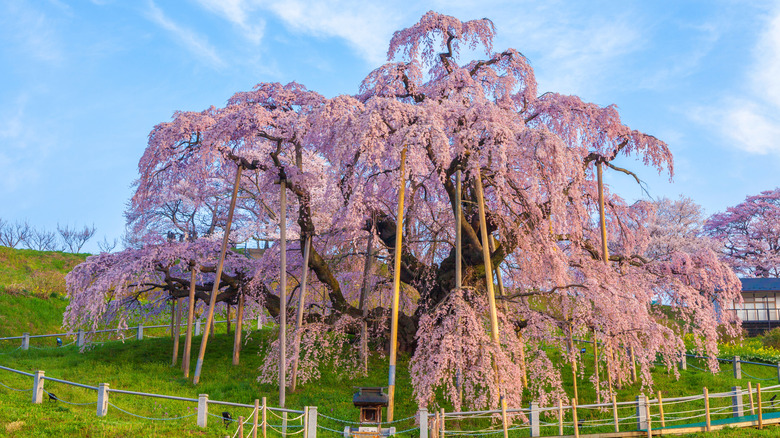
{"x": 760, "y": 284}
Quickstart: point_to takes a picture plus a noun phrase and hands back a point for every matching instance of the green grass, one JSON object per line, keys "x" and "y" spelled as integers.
{"x": 31, "y": 299}
{"x": 145, "y": 367}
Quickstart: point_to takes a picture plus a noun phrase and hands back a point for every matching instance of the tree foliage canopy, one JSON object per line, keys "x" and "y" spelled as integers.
{"x": 536, "y": 157}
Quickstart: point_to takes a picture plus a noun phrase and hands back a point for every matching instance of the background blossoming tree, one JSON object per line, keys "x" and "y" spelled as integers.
{"x": 750, "y": 234}
{"x": 537, "y": 157}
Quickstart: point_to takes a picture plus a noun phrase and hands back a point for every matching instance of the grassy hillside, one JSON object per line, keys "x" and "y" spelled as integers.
{"x": 31, "y": 299}
{"x": 32, "y": 289}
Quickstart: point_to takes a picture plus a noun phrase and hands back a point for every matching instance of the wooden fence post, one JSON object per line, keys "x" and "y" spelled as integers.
{"x": 240, "y": 420}
{"x": 750, "y": 397}
{"x": 265, "y": 416}
{"x": 574, "y": 418}
{"x": 139, "y": 332}
{"x": 661, "y": 409}
{"x": 708, "y": 424}
{"x": 37, "y": 396}
{"x": 534, "y": 418}
{"x": 684, "y": 362}
{"x": 102, "y": 403}
{"x": 649, "y": 419}
{"x": 443, "y": 422}
{"x": 737, "y": 407}
{"x": 615, "y": 418}
{"x": 760, "y": 409}
{"x": 560, "y": 417}
{"x": 422, "y": 413}
{"x": 25, "y": 341}
{"x": 254, "y": 420}
{"x": 737, "y": 368}
{"x": 311, "y": 422}
{"x": 203, "y": 410}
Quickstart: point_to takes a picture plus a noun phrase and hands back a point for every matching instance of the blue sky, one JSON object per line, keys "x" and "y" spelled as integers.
{"x": 84, "y": 82}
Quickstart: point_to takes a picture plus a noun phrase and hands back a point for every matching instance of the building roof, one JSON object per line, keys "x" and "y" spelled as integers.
{"x": 760, "y": 284}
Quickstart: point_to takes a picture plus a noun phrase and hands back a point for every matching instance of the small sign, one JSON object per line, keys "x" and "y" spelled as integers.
{"x": 368, "y": 429}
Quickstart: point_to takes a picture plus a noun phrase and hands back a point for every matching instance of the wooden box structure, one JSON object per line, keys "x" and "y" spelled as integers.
{"x": 370, "y": 400}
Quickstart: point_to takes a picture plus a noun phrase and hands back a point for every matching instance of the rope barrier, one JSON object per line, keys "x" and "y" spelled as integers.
{"x": 149, "y": 418}
{"x": 340, "y": 432}
{"x": 757, "y": 378}
{"x": 288, "y": 426}
{"x": 15, "y": 389}
{"x": 67, "y": 402}
{"x": 356, "y": 422}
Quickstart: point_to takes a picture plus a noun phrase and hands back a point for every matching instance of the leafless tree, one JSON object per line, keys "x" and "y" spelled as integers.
{"x": 72, "y": 239}
{"x": 41, "y": 240}
{"x": 12, "y": 235}
{"x": 106, "y": 246}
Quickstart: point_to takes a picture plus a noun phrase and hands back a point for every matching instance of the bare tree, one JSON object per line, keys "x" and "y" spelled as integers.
{"x": 12, "y": 235}
{"x": 106, "y": 246}
{"x": 41, "y": 240}
{"x": 72, "y": 239}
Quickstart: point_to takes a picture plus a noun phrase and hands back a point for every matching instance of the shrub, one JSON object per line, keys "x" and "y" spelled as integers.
{"x": 771, "y": 338}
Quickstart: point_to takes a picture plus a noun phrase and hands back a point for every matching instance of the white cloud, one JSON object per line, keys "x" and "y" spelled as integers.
{"x": 751, "y": 120}
{"x": 238, "y": 12}
{"x": 366, "y": 26}
{"x": 196, "y": 44}
{"x": 33, "y": 32}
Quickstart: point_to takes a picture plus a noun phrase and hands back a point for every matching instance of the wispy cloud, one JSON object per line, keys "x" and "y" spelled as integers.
{"x": 239, "y": 12}
{"x": 364, "y": 25}
{"x": 24, "y": 149}
{"x": 193, "y": 42}
{"x": 751, "y": 120}
{"x": 32, "y": 31}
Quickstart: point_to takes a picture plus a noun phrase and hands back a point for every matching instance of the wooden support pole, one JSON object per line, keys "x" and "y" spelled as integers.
{"x": 239, "y": 329}
{"x": 399, "y": 218}
{"x": 760, "y": 408}
{"x": 750, "y": 397}
{"x": 572, "y": 359}
{"x": 176, "y": 332}
{"x": 299, "y": 316}
{"x": 362, "y": 306}
{"x": 602, "y": 215}
{"x": 282, "y": 291}
{"x": 255, "y": 417}
{"x": 489, "y": 282}
{"x": 574, "y": 418}
{"x": 227, "y": 319}
{"x": 615, "y": 418}
{"x": 633, "y": 364}
{"x": 596, "y": 367}
{"x": 217, "y": 278}
{"x": 240, "y": 422}
{"x": 708, "y": 423}
{"x": 459, "y": 263}
{"x": 661, "y": 409}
